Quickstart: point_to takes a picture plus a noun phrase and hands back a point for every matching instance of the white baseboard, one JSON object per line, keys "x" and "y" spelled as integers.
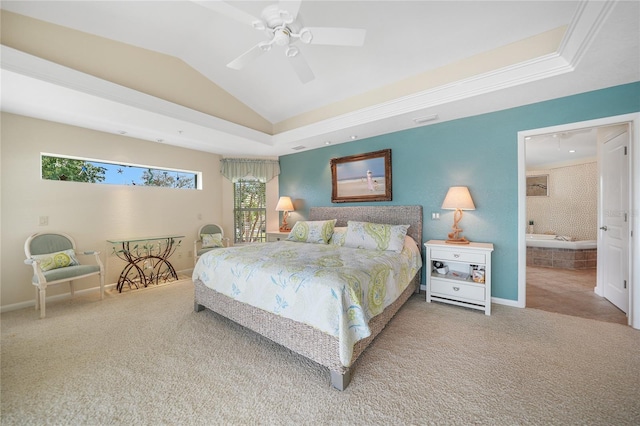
{"x": 32, "y": 303}
{"x": 507, "y": 302}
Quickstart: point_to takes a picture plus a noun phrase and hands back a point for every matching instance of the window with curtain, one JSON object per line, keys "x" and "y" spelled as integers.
{"x": 250, "y": 213}
{"x": 249, "y": 177}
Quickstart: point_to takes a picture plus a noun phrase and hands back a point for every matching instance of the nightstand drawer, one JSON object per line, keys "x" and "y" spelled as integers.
{"x": 458, "y": 256}
{"x": 458, "y": 290}
{"x": 272, "y": 237}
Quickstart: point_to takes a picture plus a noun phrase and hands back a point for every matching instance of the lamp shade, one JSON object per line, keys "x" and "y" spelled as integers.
{"x": 284, "y": 205}
{"x": 458, "y": 197}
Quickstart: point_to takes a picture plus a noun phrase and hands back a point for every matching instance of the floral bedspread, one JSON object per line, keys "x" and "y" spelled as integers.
{"x": 332, "y": 288}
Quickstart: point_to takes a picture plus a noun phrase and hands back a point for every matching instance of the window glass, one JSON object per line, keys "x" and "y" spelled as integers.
{"x": 55, "y": 167}
{"x": 250, "y": 211}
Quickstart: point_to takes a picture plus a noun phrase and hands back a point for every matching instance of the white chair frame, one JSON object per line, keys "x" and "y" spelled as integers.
{"x": 197, "y": 244}
{"x": 41, "y": 283}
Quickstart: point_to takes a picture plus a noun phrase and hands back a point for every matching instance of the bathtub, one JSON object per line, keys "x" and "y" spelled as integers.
{"x": 545, "y": 250}
{"x": 549, "y": 241}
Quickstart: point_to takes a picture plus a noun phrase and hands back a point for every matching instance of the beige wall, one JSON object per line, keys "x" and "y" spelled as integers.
{"x": 571, "y": 209}
{"x": 93, "y": 213}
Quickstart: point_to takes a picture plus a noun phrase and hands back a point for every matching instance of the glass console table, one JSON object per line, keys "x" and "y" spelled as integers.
{"x": 147, "y": 259}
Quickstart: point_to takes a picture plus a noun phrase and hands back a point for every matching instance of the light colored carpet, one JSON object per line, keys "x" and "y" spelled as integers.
{"x": 145, "y": 357}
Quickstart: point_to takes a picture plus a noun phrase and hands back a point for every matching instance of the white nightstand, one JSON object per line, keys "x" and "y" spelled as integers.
{"x": 455, "y": 283}
{"x": 276, "y": 236}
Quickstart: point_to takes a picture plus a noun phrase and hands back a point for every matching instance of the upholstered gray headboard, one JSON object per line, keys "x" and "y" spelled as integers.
{"x": 392, "y": 215}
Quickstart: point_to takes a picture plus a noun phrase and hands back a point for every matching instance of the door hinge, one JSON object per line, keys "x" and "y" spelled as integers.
{"x": 625, "y": 283}
{"x": 625, "y": 150}
{"x": 625, "y": 217}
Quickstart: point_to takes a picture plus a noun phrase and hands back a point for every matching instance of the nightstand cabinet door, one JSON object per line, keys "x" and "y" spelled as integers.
{"x": 459, "y": 274}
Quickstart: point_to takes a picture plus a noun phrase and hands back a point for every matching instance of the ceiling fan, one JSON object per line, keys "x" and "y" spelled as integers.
{"x": 283, "y": 27}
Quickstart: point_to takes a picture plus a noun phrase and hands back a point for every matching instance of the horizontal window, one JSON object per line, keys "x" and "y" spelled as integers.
{"x": 75, "y": 169}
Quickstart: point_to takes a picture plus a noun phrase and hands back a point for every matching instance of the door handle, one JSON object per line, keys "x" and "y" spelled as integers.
{"x": 604, "y": 228}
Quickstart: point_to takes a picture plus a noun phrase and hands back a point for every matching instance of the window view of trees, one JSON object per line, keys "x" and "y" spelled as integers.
{"x": 250, "y": 213}
{"x": 78, "y": 170}
{"x": 55, "y": 168}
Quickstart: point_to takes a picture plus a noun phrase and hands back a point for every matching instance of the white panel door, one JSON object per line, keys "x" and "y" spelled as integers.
{"x": 613, "y": 237}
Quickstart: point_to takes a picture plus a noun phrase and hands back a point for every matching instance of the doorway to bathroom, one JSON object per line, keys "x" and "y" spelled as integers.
{"x": 561, "y": 217}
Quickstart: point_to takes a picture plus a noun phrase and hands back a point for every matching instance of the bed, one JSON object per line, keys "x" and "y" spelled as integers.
{"x": 337, "y": 348}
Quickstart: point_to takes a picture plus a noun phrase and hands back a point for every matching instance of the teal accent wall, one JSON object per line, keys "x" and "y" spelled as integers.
{"x": 479, "y": 152}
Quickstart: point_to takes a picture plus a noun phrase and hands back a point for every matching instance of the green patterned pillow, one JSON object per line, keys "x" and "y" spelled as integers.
{"x": 317, "y": 232}
{"x": 375, "y": 236}
{"x": 60, "y": 259}
{"x": 211, "y": 240}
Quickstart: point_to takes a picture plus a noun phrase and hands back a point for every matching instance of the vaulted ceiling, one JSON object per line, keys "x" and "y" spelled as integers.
{"x": 156, "y": 70}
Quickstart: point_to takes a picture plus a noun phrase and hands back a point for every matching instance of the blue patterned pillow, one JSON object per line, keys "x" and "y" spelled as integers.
{"x": 375, "y": 236}
{"x": 317, "y": 232}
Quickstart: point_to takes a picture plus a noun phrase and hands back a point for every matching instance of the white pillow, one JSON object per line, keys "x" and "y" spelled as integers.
{"x": 317, "y": 232}
{"x": 60, "y": 259}
{"x": 337, "y": 239}
{"x": 375, "y": 236}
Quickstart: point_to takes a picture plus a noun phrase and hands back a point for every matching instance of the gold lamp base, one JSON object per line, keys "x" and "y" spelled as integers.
{"x": 454, "y": 237}
{"x": 285, "y": 226}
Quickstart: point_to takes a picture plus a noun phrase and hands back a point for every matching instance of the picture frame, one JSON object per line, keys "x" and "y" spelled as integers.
{"x": 361, "y": 177}
{"x": 538, "y": 186}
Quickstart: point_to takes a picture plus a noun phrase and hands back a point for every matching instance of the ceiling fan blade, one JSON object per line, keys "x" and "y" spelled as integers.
{"x": 301, "y": 67}
{"x": 291, "y": 6}
{"x": 337, "y": 36}
{"x": 248, "y": 56}
{"x": 228, "y": 10}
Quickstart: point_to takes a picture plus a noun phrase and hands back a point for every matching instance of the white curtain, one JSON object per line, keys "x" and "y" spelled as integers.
{"x": 236, "y": 169}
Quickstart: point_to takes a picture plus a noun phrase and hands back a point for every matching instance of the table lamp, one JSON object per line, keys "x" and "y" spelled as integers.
{"x": 458, "y": 198}
{"x": 285, "y": 205}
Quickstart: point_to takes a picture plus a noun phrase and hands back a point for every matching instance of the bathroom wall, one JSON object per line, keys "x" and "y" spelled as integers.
{"x": 571, "y": 209}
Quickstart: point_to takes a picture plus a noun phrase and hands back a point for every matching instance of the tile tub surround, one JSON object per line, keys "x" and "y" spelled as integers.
{"x": 562, "y": 258}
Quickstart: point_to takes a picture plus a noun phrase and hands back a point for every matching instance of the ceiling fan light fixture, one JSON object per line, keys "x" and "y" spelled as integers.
{"x": 281, "y": 36}
{"x": 286, "y": 16}
{"x": 258, "y": 25}
{"x": 291, "y": 52}
{"x": 305, "y": 36}
{"x": 265, "y": 46}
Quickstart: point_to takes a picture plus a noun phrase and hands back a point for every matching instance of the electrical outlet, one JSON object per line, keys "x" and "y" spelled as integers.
{"x": 43, "y": 221}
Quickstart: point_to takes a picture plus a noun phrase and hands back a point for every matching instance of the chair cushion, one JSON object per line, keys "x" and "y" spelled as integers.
{"x": 49, "y": 243}
{"x": 60, "y": 259}
{"x": 68, "y": 273}
{"x": 211, "y": 240}
{"x": 211, "y": 229}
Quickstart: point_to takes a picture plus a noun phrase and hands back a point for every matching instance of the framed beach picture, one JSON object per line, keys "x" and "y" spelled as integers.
{"x": 538, "y": 186}
{"x": 361, "y": 177}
